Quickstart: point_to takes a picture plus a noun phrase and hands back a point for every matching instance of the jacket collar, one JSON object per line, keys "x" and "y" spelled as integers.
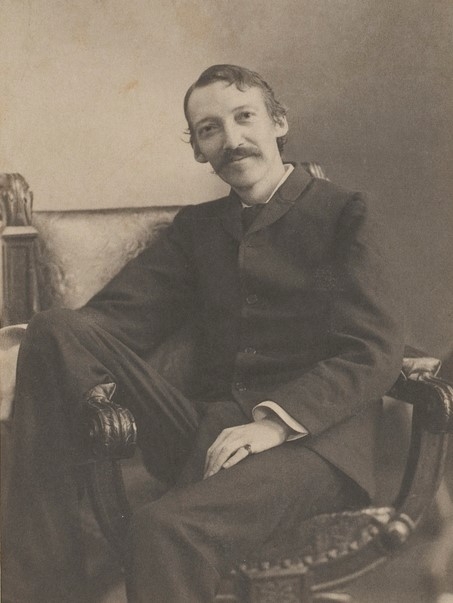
{"x": 279, "y": 204}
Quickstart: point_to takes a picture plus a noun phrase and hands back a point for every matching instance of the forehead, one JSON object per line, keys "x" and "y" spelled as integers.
{"x": 221, "y": 98}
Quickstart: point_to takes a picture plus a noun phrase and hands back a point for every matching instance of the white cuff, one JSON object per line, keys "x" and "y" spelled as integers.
{"x": 261, "y": 411}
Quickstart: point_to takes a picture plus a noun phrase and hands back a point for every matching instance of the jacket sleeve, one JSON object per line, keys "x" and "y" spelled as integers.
{"x": 151, "y": 296}
{"x": 365, "y": 330}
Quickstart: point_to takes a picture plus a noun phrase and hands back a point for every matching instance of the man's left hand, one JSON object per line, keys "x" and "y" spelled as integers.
{"x": 235, "y": 443}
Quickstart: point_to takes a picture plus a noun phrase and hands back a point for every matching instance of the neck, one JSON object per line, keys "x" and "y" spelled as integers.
{"x": 263, "y": 189}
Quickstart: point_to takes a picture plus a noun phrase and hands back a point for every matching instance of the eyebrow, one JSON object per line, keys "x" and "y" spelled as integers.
{"x": 202, "y": 121}
{"x": 242, "y": 107}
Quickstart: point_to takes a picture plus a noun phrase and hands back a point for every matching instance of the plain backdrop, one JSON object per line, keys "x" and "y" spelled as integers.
{"x": 91, "y": 110}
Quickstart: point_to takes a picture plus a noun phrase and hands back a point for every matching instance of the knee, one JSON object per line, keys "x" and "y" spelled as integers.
{"x": 153, "y": 518}
{"x": 153, "y": 525}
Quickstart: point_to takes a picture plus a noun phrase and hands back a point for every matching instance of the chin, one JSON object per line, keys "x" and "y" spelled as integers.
{"x": 240, "y": 183}
{"x": 238, "y": 180}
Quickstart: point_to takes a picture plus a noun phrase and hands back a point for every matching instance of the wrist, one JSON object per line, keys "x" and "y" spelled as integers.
{"x": 277, "y": 423}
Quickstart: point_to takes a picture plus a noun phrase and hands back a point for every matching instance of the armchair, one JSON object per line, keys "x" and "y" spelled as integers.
{"x": 74, "y": 257}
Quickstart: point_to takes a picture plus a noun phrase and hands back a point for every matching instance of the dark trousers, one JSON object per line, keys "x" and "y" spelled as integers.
{"x": 178, "y": 545}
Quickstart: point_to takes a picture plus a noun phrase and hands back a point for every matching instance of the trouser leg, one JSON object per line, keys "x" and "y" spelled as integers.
{"x": 61, "y": 358}
{"x": 180, "y": 544}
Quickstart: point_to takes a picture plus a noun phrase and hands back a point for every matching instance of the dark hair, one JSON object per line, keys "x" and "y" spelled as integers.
{"x": 242, "y": 78}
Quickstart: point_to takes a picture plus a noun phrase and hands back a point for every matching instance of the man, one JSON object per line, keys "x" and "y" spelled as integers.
{"x": 299, "y": 337}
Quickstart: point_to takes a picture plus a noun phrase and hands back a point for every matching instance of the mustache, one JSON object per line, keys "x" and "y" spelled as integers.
{"x": 230, "y": 155}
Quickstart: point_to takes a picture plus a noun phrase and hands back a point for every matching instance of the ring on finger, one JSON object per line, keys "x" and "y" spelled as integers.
{"x": 248, "y": 448}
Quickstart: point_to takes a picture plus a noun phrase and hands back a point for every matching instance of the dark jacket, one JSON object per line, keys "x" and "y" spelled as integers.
{"x": 300, "y": 310}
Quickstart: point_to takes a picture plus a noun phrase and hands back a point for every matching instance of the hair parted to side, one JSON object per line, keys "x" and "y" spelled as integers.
{"x": 242, "y": 78}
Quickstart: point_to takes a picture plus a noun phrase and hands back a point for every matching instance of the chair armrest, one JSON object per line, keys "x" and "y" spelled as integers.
{"x": 107, "y": 430}
{"x": 110, "y": 431}
{"x": 432, "y": 396}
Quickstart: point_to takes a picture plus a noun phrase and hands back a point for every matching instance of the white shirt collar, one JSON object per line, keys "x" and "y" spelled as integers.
{"x": 288, "y": 169}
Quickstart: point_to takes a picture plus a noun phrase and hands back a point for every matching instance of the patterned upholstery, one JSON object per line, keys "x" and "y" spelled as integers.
{"x": 80, "y": 251}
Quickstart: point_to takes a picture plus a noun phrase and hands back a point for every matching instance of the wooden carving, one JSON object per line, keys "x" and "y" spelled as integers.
{"x": 16, "y": 200}
{"x": 108, "y": 429}
{"x": 18, "y": 281}
{"x": 284, "y": 590}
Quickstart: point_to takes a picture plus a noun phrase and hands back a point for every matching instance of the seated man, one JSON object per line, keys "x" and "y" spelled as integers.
{"x": 299, "y": 337}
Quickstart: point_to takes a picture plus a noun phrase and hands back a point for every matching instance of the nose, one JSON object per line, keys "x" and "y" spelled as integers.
{"x": 232, "y": 136}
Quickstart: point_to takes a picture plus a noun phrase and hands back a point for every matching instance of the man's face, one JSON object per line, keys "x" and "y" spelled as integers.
{"x": 233, "y": 131}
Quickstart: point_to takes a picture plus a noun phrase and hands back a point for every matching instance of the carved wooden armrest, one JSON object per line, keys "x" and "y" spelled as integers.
{"x": 109, "y": 431}
{"x": 432, "y": 397}
{"x": 108, "y": 434}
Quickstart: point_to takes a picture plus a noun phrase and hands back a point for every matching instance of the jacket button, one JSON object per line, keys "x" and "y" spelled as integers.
{"x": 251, "y": 299}
{"x": 240, "y": 387}
{"x": 249, "y": 351}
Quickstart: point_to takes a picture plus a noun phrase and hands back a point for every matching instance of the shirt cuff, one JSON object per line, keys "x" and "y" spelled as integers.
{"x": 264, "y": 409}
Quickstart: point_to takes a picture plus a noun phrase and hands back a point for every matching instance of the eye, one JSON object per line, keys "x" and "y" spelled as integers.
{"x": 206, "y": 130}
{"x": 245, "y": 115}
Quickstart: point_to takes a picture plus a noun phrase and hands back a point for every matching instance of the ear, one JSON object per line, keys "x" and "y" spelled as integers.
{"x": 281, "y": 127}
{"x": 198, "y": 154}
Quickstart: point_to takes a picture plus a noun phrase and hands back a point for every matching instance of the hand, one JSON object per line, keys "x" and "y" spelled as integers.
{"x": 229, "y": 447}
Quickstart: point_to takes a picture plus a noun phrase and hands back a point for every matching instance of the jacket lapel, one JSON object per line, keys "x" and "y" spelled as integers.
{"x": 280, "y": 203}
{"x": 283, "y": 199}
{"x": 231, "y": 217}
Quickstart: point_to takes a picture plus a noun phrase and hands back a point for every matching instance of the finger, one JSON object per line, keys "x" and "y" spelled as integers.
{"x": 213, "y": 451}
{"x": 218, "y": 442}
{"x": 238, "y": 456}
{"x": 215, "y": 461}
{"x": 218, "y": 458}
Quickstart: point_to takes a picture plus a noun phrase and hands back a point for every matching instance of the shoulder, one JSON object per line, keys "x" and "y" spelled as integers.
{"x": 331, "y": 199}
{"x": 338, "y": 216}
{"x": 331, "y": 206}
{"x": 352, "y": 218}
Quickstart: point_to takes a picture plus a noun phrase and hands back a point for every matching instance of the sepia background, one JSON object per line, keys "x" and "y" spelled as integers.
{"x": 91, "y": 113}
